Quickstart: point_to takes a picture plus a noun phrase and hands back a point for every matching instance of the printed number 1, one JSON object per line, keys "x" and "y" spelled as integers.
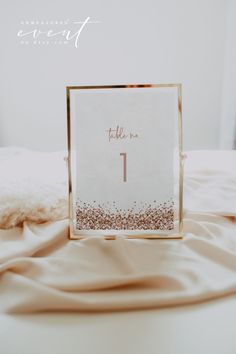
{"x": 123, "y": 154}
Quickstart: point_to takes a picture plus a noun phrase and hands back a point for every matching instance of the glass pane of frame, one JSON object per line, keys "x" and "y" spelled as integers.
{"x": 125, "y": 160}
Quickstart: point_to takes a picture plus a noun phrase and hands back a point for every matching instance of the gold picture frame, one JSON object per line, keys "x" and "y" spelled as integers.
{"x": 139, "y": 235}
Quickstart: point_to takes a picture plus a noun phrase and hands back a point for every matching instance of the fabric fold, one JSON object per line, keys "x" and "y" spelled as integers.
{"x": 96, "y": 274}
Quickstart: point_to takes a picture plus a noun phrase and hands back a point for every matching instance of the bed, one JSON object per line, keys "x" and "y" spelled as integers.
{"x": 129, "y": 296}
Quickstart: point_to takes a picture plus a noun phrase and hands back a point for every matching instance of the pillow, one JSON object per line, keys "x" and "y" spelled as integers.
{"x": 210, "y": 182}
{"x": 33, "y": 186}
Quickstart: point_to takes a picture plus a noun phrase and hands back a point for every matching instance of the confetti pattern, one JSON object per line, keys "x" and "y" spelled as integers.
{"x": 94, "y": 216}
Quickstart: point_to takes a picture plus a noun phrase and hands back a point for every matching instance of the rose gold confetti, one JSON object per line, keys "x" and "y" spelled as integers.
{"x": 90, "y": 217}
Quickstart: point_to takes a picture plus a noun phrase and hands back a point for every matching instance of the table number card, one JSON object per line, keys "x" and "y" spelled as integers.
{"x": 125, "y": 160}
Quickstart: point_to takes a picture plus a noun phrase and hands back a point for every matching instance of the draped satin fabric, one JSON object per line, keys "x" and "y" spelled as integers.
{"x": 41, "y": 270}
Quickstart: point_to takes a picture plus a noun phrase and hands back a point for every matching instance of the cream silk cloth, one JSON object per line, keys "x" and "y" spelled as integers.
{"x": 40, "y": 269}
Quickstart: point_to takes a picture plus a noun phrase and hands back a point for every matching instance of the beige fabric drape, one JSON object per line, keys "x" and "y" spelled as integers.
{"x": 40, "y": 269}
